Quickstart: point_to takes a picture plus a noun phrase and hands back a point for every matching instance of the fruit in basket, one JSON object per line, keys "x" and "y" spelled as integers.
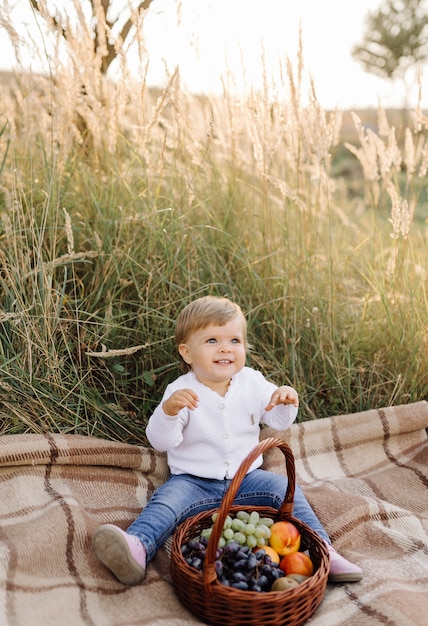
{"x": 236, "y": 566}
{"x": 298, "y": 577}
{"x": 297, "y": 563}
{"x": 284, "y": 584}
{"x": 284, "y": 538}
{"x": 248, "y": 529}
{"x": 271, "y": 552}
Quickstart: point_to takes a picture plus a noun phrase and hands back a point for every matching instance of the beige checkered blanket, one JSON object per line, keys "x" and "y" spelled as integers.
{"x": 365, "y": 474}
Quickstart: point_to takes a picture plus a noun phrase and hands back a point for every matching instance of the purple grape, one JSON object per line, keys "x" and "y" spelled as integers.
{"x": 241, "y": 564}
{"x": 240, "y": 585}
{"x": 276, "y": 573}
{"x": 231, "y": 547}
{"x": 263, "y": 581}
{"x": 197, "y": 563}
{"x": 239, "y": 577}
{"x": 252, "y": 561}
{"x": 241, "y": 554}
{"x": 236, "y": 566}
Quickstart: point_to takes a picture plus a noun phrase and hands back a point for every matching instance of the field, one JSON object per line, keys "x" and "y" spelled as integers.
{"x": 119, "y": 204}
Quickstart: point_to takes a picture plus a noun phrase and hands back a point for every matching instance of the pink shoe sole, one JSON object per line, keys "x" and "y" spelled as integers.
{"x": 121, "y": 553}
{"x": 342, "y": 570}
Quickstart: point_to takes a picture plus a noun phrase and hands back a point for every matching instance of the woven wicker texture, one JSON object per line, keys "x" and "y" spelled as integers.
{"x": 217, "y": 604}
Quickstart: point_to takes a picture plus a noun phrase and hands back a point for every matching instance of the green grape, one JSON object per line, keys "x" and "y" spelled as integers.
{"x": 228, "y": 533}
{"x": 266, "y": 530}
{"x": 240, "y": 538}
{"x": 266, "y": 521}
{"x": 254, "y": 518}
{"x": 238, "y": 524}
{"x": 249, "y": 529}
{"x": 260, "y": 532}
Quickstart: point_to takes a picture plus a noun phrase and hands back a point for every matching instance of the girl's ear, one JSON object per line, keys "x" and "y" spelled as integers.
{"x": 185, "y": 353}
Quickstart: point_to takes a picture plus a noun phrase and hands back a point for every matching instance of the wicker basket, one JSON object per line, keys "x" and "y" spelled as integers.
{"x": 217, "y": 604}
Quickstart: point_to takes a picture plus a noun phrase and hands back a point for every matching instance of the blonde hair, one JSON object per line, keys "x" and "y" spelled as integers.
{"x": 205, "y": 311}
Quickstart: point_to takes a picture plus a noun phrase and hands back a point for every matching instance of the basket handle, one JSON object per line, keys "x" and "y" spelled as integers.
{"x": 209, "y": 573}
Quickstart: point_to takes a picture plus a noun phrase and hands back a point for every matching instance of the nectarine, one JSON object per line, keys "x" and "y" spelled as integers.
{"x": 297, "y": 563}
{"x": 285, "y": 538}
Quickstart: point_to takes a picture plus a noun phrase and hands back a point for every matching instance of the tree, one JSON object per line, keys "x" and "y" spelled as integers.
{"x": 105, "y": 42}
{"x": 395, "y": 39}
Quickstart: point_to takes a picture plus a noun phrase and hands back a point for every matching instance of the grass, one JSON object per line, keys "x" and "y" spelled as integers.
{"x": 113, "y": 219}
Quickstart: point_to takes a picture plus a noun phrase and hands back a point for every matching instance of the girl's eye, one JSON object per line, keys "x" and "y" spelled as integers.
{"x": 212, "y": 340}
{"x": 235, "y": 341}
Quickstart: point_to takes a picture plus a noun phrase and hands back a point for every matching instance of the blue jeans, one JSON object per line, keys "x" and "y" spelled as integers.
{"x": 184, "y": 495}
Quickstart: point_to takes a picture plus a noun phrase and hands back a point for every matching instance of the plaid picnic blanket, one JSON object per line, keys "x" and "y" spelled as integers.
{"x": 365, "y": 474}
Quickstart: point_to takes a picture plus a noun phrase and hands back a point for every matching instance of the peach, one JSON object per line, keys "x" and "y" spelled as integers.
{"x": 285, "y": 538}
{"x": 297, "y": 563}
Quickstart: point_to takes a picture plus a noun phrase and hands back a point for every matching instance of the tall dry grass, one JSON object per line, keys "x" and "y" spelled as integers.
{"x": 120, "y": 203}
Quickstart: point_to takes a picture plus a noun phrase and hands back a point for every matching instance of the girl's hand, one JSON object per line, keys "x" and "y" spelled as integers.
{"x": 179, "y": 400}
{"x": 283, "y": 395}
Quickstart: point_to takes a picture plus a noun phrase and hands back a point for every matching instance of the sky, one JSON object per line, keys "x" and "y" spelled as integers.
{"x": 239, "y": 38}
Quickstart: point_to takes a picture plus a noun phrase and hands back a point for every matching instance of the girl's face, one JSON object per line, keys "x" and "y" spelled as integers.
{"x": 216, "y": 353}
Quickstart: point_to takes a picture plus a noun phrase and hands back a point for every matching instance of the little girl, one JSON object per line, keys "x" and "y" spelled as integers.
{"x": 207, "y": 423}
